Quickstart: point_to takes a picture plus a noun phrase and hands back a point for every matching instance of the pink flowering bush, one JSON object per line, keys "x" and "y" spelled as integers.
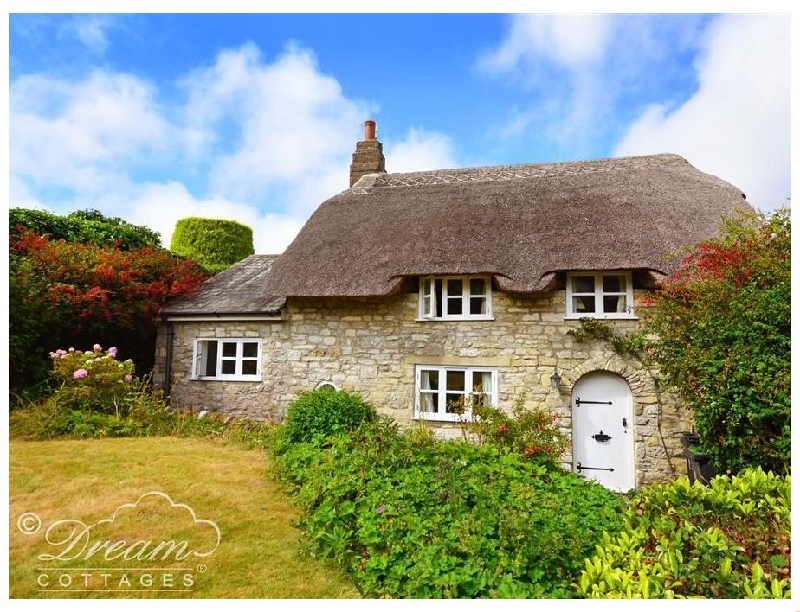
{"x": 93, "y": 380}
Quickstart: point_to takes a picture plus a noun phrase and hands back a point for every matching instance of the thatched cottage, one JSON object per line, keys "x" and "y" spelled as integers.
{"x": 423, "y": 288}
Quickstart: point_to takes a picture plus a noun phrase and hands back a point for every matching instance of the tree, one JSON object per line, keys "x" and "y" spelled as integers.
{"x": 85, "y": 226}
{"x": 724, "y": 340}
{"x": 215, "y": 244}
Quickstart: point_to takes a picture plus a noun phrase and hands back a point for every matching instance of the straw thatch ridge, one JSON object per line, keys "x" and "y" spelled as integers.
{"x": 521, "y": 224}
{"x": 238, "y": 290}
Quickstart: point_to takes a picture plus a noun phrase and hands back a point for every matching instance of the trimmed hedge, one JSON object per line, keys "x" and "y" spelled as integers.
{"x": 216, "y": 244}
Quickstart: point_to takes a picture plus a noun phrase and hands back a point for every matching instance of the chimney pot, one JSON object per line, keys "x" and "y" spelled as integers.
{"x": 368, "y": 157}
{"x": 369, "y": 130}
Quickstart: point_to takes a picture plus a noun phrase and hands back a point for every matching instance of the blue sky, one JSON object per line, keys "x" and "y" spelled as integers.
{"x": 253, "y": 117}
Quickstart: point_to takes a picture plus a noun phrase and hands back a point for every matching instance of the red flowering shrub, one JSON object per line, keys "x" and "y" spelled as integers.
{"x": 724, "y": 340}
{"x": 64, "y": 292}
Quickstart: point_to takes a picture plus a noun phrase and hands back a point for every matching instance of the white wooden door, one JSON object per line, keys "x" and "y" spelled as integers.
{"x": 602, "y": 430}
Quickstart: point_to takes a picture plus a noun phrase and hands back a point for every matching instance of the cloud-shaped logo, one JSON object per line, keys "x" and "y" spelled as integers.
{"x": 153, "y": 528}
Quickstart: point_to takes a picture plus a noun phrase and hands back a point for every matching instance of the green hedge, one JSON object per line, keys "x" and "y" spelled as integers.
{"x": 216, "y": 244}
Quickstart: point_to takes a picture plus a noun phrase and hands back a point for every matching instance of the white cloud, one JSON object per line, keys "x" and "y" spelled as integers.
{"x": 293, "y": 123}
{"x": 569, "y": 40}
{"x": 736, "y": 125}
{"x": 420, "y": 150}
{"x": 83, "y": 135}
{"x": 91, "y": 31}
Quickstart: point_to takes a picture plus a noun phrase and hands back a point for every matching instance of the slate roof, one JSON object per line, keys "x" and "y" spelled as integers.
{"x": 241, "y": 289}
{"x": 521, "y": 224}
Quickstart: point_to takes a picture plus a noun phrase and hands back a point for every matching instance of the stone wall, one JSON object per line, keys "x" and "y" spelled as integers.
{"x": 372, "y": 345}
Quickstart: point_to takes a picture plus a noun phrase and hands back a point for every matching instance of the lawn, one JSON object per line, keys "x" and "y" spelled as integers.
{"x": 155, "y": 517}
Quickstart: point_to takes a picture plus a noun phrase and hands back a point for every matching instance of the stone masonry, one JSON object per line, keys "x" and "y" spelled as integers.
{"x": 372, "y": 345}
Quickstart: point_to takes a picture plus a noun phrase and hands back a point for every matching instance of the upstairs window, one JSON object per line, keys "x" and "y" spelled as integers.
{"x": 446, "y": 393}
{"x": 227, "y": 359}
{"x": 457, "y": 298}
{"x": 600, "y": 295}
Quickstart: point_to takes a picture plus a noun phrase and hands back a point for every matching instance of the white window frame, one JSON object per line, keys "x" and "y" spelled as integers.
{"x": 427, "y": 298}
{"x": 441, "y": 414}
{"x": 201, "y": 354}
{"x": 599, "y": 294}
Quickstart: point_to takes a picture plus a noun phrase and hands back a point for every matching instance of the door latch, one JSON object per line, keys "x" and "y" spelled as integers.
{"x": 601, "y": 437}
{"x": 624, "y": 422}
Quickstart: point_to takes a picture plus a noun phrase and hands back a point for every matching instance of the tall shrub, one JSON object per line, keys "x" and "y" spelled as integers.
{"x": 724, "y": 340}
{"x": 216, "y": 244}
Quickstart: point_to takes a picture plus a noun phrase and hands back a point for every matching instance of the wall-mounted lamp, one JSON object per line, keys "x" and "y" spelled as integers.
{"x": 555, "y": 379}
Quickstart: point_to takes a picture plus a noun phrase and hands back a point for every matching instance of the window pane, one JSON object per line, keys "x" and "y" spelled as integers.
{"x": 614, "y": 284}
{"x": 455, "y": 403}
{"x": 477, "y": 305}
{"x": 211, "y": 358}
{"x": 229, "y": 366}
{"x": 616, "y": 303}
{"x": 229, "y": 349}
{"x": 249, "y": 366}
{"x": 428, "y": 401}
{"x": 454, "y": 286}
{"x": 250, "y": 349}
{"x": 583, "y": 304}
{"x": 456, "y": 380}
{"x": 429, "y": 379}
{"x": 454, "y": 305}
{"x": 583, "y": 284}
{"x": 438, "y": 292}
{"x": 477, "y": 286}
{"x": 482, "y": 382}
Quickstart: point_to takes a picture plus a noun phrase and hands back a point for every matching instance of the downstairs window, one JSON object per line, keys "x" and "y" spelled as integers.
{"x": 446, "y": 393}
{"x": 227, "y": 359}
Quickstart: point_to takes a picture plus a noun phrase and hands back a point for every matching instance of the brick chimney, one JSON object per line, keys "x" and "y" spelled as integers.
{"x": 368, "y": 158}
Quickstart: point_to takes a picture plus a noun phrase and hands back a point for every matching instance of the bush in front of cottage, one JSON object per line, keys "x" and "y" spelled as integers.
{"x": 317, "y": 415}
{"x": 730, "y": 539}
{"x": 408, "y": 516}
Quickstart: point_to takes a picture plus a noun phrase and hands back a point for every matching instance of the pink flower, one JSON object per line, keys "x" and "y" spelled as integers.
{"x": 128, "y": 377}
{"x": 380, "y": 510}
{"x": 80, "y": 373}
{"x": 112, "y": 351}
{"x": 97, "y": 347}
{"x": 64, "y": 356}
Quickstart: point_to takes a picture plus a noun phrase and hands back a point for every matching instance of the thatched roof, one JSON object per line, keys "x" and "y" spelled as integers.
{"x": 239, "y": 289}
{"x": 522, "y": 224}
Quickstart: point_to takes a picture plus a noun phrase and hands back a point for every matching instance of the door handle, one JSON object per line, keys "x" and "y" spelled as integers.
{"x": 624, "y": 422}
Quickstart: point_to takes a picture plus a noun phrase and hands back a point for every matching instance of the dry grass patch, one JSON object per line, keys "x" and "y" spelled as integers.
{"x": 256, "y": 555}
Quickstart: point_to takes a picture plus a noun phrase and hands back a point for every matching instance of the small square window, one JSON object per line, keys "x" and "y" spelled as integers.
{"x": 456, "y": 298}
{"x": 603, "y": 295}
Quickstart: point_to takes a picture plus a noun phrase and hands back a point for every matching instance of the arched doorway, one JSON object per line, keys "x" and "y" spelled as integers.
{"x": 602, "y": 430}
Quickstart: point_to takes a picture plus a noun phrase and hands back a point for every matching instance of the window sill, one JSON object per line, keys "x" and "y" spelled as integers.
{"x": 444, "y": 319}
{"x": 599, "y": 316}
{"x": 228, "y": 378}
{"x": 435, "y": 417}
